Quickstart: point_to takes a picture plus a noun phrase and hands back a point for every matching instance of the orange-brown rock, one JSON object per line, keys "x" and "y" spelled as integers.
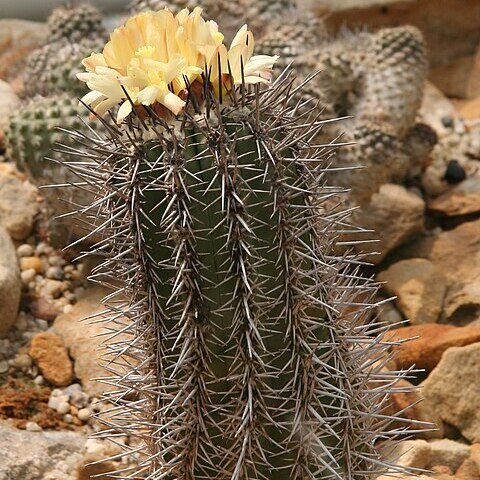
{"x": 433, "y": 340}
{"x": 51, "y": 357}
{"x": 468, "y": 470}
{"x": 471, "y": 109}
{"x": 415, "y": 408}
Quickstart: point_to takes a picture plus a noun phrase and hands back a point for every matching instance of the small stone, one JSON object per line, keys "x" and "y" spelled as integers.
{"x": 55, "y": 273}
{"x": 21, "y": 323}
{"x": 31, "y": 263}
{"x": 39, "y": 380}
{"x": 22, "y": 361}
{"x": 84, "y": 414}
{"x": 3, "y": 366}
{"x": 68, "y": 418}
{"x": 53, "y": 288}
{"x": 33, "y": 427}
{"x": 79, "y": 399}
{"x": 42, "y": 324}
{"x": 43, "y": 308}
{"x": 453, "y": 389}
{"x": 448, "y": 453}
{"x": 25, "y": 250}
{"x": 28, "y": 276}
{"x": 56, "y": 261}
{"x": 73, "y": 410}
{"x": 63, "y": 408}
{"x": 51, "y": 357}
{"x": 43, "y": 249}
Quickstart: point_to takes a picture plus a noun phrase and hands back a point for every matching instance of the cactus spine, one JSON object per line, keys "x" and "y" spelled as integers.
{"x": 239, "y": 346}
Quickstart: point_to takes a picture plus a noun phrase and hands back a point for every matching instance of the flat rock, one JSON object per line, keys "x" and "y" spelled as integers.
{"x": 419, "y": 287}
{"x": 18, "y": 205}
{"x": 395, "y": 215}
{"x": 410, "y": 453}
{"x": 449, "y": 453}
{"x": 412, "y": 406}
{"x": 46, "y": 455}
{"x": 462, "y": 199}
{"x": 10, "y": 283}
{"x": 51, "y": 357}
{"x": 83, "y": 339}
{"x": 17, "y": 39}
{"x": 432, "y": 342}
{"x": 453, "y": 388}
{"x": 450, "y": 32}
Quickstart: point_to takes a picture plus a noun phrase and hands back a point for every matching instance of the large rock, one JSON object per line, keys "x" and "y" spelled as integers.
{"x": 450, "y": 32}
{"x": 449, "y": 453}
{"x": 419, "y": 287}
{"x": 17, "y": 39}
{"x": 453, "y": 388}
{"x": 18, "y": 204}
{"x": 39, "y": 455}
{"x": 83, "y": 339}
{"x": 456, "y": 253}
{"x": 395, "y": 215}
{"x": 432, "y": 342}
{"x": 463, "y": 199}
{"x": 51, "y": 357}
{"x": 10, "y": 283}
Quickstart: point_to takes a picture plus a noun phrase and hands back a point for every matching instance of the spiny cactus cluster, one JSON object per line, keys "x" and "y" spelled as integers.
{"x": 32, "y": 133}
{"x": 75, "y": 30}
{"x": 241, "y": 344}
{"x": 75, "y": 21}
{"x": 377, "y": 80}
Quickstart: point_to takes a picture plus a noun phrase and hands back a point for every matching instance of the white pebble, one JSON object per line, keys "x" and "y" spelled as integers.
{"x": 79, "y": 399}
{"x": 68, "y": 418}
{"x": 42, "y": 324}
{"x": 39, "y": 380}
{"x": 3, "y": 366}
{"x": 63, "y": 408}
{"x": 43, "y": 249}
{"x": 33, "y": 427}
{"x": 55, "y": 273}
{"x": 28, "y": 276}
{"x": 84, "y": 414}
{"x": 25, "y": 250}
{"x": 67, "y": 308}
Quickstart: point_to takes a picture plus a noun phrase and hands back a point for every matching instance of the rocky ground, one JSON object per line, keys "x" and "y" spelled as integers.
{"x": 428, "y": 257}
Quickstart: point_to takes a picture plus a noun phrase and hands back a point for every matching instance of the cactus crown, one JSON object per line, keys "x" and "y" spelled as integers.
{"x": 239, "y": 346}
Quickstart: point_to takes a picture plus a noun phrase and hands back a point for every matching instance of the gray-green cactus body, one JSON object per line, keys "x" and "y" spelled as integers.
{"x": 240, "y": 347}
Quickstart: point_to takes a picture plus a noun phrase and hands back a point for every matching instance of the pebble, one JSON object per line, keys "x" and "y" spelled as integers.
{"x": 21, "y": 323}
{"x": 25, "y": 250}
{"x": 53, "y": 288}
{"x": 55, "y": 273}
{"x": 63, "y": 408}
{"x": 68, "y": 418}
{"x": 3, "y": 366}
{"x": 42, "y": 324}
{"x": 33, "y": 427}
{"x": 28, "y": 263}
{"x": 43, "y": 249}
{"x": 84, "y": 414}
{"x": 28, "y": 276}
{"x": 79, "y": 399}
{"x": 22, "y": 361}
{"x": 39, "y": 380}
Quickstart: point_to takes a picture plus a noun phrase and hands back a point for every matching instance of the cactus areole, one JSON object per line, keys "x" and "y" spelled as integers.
{"x": 238, "y": 346}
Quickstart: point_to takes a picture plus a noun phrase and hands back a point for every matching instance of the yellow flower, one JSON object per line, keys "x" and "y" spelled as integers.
{"x": 155, "y": 56}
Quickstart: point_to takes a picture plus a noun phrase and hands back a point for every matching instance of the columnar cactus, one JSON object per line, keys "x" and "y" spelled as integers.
{"x": 240, "y": 344}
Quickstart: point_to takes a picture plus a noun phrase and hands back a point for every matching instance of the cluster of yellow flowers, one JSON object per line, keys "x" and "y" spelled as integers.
{"x": 156, "y": 55}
